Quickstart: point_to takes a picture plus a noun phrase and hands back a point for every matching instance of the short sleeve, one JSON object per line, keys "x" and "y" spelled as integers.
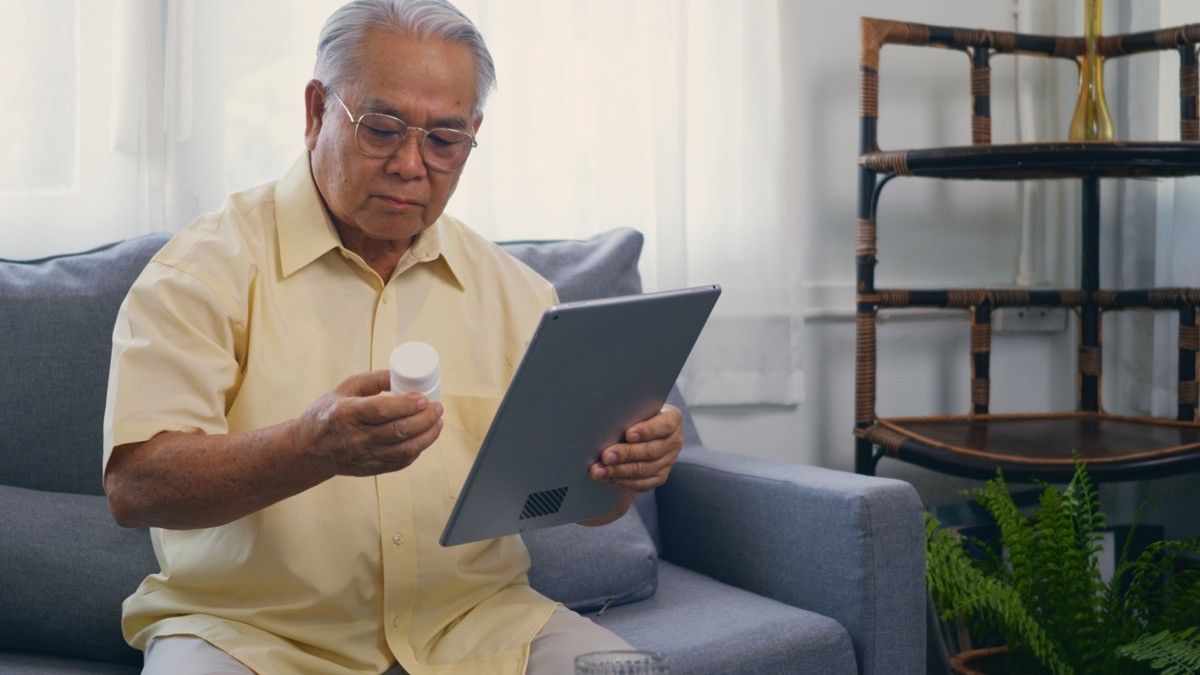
{"x": 174, "y": 360}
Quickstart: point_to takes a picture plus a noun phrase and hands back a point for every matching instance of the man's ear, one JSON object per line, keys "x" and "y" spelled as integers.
{"x": 475, "y": 123}
{"x": 314, "y": 112}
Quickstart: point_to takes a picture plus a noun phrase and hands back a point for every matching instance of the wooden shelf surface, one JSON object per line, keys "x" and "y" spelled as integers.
{"x": 1016, "y": 161}
{"x": 1041, "y": 446}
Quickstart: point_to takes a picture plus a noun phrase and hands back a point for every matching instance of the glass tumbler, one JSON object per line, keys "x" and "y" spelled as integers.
{"x": 621, "y": 663}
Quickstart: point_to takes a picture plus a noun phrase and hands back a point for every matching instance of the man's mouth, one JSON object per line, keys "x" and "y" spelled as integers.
{"x": 398, "y": 204}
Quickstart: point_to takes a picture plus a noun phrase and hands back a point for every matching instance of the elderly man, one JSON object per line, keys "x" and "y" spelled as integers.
{"x": 295, "y": 505}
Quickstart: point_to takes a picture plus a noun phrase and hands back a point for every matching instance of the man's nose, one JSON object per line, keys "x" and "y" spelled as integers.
{"x": 407, "y": 161}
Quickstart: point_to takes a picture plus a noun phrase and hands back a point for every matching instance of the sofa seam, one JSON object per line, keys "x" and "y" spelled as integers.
{"x": 727, "y": 472}
{"x": 869, "y": 666}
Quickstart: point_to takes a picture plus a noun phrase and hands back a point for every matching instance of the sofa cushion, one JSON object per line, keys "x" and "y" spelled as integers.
{"x": 67, "y": 567}
{"x": 704, "y": 626}
{"x": 55, "y": 345}
{"x": 603, "y": 266}
{"x": 590, "y": 567}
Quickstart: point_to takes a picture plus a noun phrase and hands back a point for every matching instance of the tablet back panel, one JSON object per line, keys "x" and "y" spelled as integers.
{"x": 591, "y": 370}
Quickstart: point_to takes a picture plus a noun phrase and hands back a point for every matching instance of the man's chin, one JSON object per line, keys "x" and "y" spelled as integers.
{"x": 384, "y": 229}
{"x": 392, "y": 228}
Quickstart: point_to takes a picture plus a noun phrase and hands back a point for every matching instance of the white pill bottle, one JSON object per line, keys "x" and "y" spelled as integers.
{"x": 416, "y": 370}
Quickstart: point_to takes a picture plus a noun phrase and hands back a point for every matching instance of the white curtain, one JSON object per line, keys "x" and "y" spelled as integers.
{"x": 1042, "y": 105}
{"x": 70, "y": 175}
{"x": 664, "y": 116}
{"x": 1153, "y": 236}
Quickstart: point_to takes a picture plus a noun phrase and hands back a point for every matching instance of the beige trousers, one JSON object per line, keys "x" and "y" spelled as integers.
{"x": 565, "y": 636}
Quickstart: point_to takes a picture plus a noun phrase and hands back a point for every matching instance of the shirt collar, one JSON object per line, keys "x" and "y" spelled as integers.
{"x": 303, "y": 225}
{"x": 306, "y": 231}
{"x": 442, "y": 240}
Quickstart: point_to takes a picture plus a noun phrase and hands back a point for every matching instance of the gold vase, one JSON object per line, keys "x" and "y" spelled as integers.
{"x": 1091, "y": 121}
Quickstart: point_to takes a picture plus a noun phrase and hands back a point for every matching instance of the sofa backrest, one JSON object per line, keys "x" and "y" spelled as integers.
{"x": 56, "y": 339}
{"x": 56, "y": 322}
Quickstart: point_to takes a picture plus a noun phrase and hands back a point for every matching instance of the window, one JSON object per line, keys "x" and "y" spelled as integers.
{"x": 138, "y": 115}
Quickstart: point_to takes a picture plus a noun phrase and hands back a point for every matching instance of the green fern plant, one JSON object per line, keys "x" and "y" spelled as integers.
{"x": 1175, "y": 653}
{"x": 1038, "y": 589}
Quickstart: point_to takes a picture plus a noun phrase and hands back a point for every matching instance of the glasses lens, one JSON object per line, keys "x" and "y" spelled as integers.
{"x": 446, "y": 149}
{"x": 380, "y": 135}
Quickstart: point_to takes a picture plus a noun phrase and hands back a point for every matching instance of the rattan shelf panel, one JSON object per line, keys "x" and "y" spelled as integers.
{"x": 1118, "y": 159}
{"x": 965, "y": 298}
{"x": 1040, "y": 446}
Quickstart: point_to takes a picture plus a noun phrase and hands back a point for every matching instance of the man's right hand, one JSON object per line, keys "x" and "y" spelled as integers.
{"x": 363, "y": 433}
{"x": 185, "y": 480}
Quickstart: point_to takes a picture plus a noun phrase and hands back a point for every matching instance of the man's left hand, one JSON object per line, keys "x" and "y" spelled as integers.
{"x": 645, "y": 459}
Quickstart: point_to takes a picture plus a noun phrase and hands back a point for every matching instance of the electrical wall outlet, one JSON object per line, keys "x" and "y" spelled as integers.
{"x": 1025, "y": 320}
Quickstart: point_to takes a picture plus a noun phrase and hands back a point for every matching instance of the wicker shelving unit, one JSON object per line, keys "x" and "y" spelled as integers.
{"x": 1033, "y": 445}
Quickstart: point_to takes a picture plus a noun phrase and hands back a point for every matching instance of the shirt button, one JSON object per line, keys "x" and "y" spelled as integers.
{"x": 398, "y": 538}
{"x": 385, "y": 299}
{"x": 396, "y": 621}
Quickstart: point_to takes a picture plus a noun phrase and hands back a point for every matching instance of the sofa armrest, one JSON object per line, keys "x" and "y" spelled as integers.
{"x": 846, "y": 546}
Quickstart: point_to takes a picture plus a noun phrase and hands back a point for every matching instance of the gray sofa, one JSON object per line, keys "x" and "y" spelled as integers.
{"x": 735, "y": 565}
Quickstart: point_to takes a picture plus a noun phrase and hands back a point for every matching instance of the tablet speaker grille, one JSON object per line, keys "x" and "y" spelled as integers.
{"x": 543, "y": 503}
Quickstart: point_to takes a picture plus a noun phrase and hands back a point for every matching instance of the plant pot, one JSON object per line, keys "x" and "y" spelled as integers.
{"x": 982, "y": 661}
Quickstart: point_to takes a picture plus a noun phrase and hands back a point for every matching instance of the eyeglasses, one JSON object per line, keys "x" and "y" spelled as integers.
{"x": 379, "y": 136}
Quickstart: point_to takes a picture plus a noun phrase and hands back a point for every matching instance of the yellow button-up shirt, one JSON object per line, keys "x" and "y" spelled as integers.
{"x": 240, "y": 322}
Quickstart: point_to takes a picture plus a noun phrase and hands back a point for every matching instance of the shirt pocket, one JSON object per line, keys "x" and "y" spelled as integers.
{"x": 466, "y": 421}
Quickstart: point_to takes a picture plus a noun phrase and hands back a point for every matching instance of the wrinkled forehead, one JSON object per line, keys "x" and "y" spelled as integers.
{"x": 410, "y": 77}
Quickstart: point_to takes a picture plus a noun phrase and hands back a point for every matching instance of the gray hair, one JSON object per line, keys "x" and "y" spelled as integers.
{"x": 425, "y": 19}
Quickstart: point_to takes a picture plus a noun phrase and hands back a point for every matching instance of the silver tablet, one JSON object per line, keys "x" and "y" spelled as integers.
{"x": 592, "y": 369}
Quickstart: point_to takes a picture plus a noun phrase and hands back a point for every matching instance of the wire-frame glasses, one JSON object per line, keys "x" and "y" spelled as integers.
{"x": 379, "y": 136}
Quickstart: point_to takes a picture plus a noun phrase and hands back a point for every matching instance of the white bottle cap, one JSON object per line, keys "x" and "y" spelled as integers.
{"x": 415, "y": 369}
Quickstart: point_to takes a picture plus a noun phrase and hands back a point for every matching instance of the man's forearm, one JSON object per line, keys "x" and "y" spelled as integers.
{"x": 188, "y": 480}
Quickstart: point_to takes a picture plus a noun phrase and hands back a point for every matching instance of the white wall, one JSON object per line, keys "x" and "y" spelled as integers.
{"x": 932, "y": 234}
